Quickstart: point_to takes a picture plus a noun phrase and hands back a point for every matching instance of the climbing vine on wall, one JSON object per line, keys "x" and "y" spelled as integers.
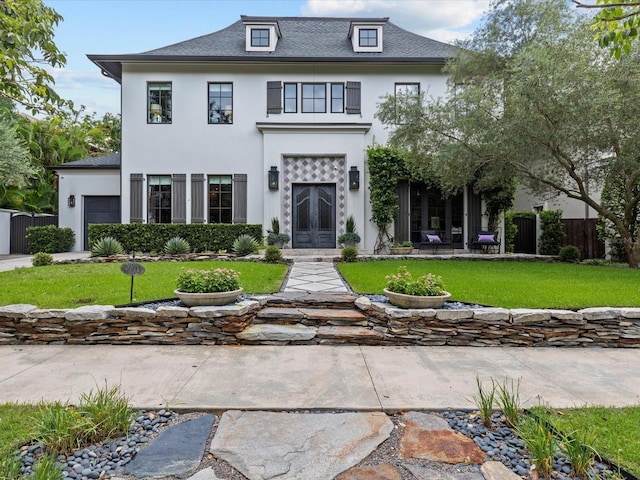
{"x": 386, "y": 168}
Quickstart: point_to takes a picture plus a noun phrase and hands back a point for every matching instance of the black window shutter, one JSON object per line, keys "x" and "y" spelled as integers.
{"x": 136, "y": 193}
{"x": 178, "y": 198}
{"x": 239, "y": 198}
{"x": 197, "y": 198}
{"x": 353, "y": 97}
{"x": 274, "y": 97}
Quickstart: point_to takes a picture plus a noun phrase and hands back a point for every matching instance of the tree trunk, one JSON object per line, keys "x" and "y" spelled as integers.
{"x": 632, "y": 250}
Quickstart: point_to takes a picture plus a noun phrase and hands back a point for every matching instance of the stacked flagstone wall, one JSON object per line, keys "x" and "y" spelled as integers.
{"x": 371, "y": 324}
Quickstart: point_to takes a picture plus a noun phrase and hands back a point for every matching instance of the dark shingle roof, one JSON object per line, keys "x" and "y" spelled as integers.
{"x": 111, "y": 161}
{"x": 306, "y": 39}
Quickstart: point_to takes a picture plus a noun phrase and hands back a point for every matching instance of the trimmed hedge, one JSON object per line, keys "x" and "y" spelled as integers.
{"x": 151, "y": 237}
{"x": 50, "y": 239}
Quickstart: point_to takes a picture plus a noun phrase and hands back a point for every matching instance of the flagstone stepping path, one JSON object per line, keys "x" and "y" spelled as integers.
{"x": 259, "y": 445}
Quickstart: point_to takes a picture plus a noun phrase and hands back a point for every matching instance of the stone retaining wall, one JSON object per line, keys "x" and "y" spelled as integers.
{"x": 380, "y": 324}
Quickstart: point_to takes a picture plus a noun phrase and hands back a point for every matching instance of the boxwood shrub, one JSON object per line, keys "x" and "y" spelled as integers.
{"x": 151, "y": 237}
{"x": 50, "y": 239}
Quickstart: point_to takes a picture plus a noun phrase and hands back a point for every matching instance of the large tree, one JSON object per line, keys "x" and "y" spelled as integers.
{"x": 27, "y": 49}
{"x": 616, "y": 23}
{"x": 531, "y": 97}
{"x": 15, "y": 165}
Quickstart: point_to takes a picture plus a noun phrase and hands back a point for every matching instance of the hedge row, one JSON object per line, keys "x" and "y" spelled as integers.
{"x": 151, "y": 237}
{"x": 50, "y": 239}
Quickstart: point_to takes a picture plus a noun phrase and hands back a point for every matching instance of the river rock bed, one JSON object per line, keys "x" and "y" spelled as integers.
{"x": 100, "y": 461}
{"x": 500, "y": 443}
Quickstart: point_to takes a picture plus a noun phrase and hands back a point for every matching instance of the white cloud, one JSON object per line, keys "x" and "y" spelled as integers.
{"x": 444, "y": 20}
{"x": 96, "y": 92}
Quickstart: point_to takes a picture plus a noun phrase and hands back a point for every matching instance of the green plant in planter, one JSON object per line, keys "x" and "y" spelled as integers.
{"x": 208, "y": 281}
{"x": 350, "y": 238}
{"x": 274, "y": 237}
{"x": 402, "y": 245}
{"x": 428, "y": 285}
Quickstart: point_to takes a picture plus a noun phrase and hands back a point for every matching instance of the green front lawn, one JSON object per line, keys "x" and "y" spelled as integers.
{"x": 616, "y": 430}
{"x": 511, "y": 284}
{"x": 70, "y": 286}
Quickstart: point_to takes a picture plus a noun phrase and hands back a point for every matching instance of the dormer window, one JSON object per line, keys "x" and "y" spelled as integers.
{"x": 262, "y": 34}
{"x": 366, "y": 35}
{"x": 259, "y": 37}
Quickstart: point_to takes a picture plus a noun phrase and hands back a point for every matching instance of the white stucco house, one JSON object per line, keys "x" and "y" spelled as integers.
{"x": 269, "y": 117}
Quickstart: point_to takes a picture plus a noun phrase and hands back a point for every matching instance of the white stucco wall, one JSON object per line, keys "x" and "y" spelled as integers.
{"x": 191, "y": 145}
{"x": 82, "y": 183}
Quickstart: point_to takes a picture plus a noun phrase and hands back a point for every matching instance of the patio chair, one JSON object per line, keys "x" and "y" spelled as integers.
{"x": 431, "y": 239}
{"x": 486, "y": 241}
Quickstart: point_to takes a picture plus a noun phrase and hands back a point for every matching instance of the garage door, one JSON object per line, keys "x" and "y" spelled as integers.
{"x": 100, "y": 210}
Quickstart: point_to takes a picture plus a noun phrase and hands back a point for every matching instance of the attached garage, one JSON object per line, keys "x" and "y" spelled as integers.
{"x": 88, "y": 192}
{"x": 104, "y": 209}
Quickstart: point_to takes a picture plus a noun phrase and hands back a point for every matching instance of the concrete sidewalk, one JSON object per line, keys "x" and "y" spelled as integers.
{"x": 317, "y": 377}
{"x": 11, "y": 262}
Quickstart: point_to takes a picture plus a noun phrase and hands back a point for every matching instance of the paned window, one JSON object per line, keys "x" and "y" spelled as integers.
{"x": 368, "y": 37}
{"x": 159, "y": 102}
{"x": 220, "y": 199}
{"x": 220, "y": 103}
{"x": 159, "y": 194}
{"x": 314, "y": 98}
{"x": 259, "y": 37}
{"x": 337, "y": 98}
{"x": 290, "y": 97}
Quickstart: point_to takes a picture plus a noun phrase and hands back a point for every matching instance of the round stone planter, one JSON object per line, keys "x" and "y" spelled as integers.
{"x": 400, "y": 250}
{"x": 209, "y": 298}
{"x": 414, "y": 301}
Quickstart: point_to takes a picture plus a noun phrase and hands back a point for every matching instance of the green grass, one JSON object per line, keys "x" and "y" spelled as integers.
{"x": 616, "y": 431}
{"x": 70, "y": 286}
{"x": 17, "y": 426}
{"x": 511, "y": 284}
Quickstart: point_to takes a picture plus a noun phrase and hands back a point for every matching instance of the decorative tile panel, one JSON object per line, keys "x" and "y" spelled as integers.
{"x": 311, "y": 169}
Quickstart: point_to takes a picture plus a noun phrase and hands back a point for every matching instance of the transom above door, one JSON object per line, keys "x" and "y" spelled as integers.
{"x": 314, "y": 215}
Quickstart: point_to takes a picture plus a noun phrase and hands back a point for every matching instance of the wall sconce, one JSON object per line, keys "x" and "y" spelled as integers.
{"x": 354, "y": 178}
{"x": 71, "y": 201}
{"x": 273, "y": 180}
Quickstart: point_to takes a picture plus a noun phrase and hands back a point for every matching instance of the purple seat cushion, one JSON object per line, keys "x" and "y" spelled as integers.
{"x": 434, "y": 239}
{"x": 486, "y": 239}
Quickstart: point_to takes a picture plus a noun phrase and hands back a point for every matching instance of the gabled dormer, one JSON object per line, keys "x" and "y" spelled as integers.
{"x": 262, "y": 34}
{"x": 366, "y": 34}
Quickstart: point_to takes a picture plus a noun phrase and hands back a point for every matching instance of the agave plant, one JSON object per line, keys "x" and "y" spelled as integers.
{"x": 106, "y": 247}
{"x": 177, "y": 246}
{"x": 245, "y": 245}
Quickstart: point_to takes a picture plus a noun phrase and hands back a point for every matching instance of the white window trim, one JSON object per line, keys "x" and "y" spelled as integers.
{"x": 274, "y": 34}
{"x": 354, "y": 34}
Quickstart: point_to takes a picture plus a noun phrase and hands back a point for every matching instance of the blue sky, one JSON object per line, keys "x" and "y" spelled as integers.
{"x": 133, "y": 26}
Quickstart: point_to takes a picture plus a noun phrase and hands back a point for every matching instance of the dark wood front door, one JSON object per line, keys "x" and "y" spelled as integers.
{"x": 314, "y": 216}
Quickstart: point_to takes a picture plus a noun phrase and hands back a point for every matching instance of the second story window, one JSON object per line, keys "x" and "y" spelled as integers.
{"x": 314, "y": 98}
{"x": 368, "y": 37}
{"x": 290, "y": 97}
{"x": 259, "y": 37}
{"x": 159, "y": 194}
{"x": 337, "y": 98}
{"x": 220, "y": 103}
{"x": 159, "y": 102}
